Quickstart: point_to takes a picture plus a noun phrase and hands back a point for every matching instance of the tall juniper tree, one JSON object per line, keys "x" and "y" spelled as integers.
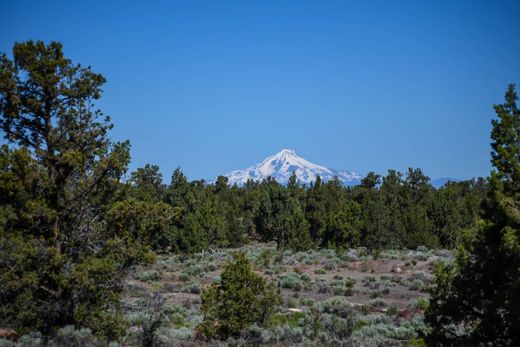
{"x": 477, "y": 301}
{"x": 57, "y": 180}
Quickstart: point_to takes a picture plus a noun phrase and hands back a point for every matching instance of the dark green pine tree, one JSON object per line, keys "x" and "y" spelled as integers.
{"x": 241, "y": 299}
{"x": 343, "y": 228}
{"x": 280, "y": 217}
{"x": 315, "y": 209}
{"x": 417, "y": 193}
{"x": 477, "y": 301}
{"x": 371, "y": 180}
{"x": 146, "y": 183}
{"x": 178, "y": 191}
{"x": 59, "y": 263}
{"x": 295, "y": 188}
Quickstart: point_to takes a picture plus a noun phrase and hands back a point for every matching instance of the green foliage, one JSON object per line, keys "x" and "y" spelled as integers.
{"x": 193, "y": 288}
{"x": 476, "y": 301}
{"x": 291, "y": 319}
{"x": 150, "y": 276}
{"x": 280, "y": 218}
{"x": 146, "y": 184}
{"x": 154, "y": 319}
{"x": 454, "y": 208}
{"x": 193, "y": 270}
{"x": 505, "y": 155}
{"x": 69, "y": 336}
{"x": 184, "y": 277}
{"x": 264, "y": 259}
{"x": 151, "y": 223}
{"x": 290, "y": 280}
{"x": 205, "y": 227}
{"x": 60, "y": 265}
{"x": 242, "y": 298}
{"x": 342, "y": 229}
{"x": 370, "y": 181}
{"x": 416, "y": 284}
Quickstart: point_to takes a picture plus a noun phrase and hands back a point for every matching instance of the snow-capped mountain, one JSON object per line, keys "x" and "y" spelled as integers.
{"x": 281, "y": 166}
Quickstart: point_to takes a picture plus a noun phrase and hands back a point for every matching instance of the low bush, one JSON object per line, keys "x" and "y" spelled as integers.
{"x": 423, "y": 276}
{"x": 194, "y": 270}
{"x": 150, "y": 276}
{"x": 170, "y": 287}
{"x": 305, "y": 277}
{"x": 290, "y": 280}
{"x": 293, "y": 302}
{"x": 375, "y": 294}
{"x": 308, "y": 302}
{"x": 377, "y": 303}
{"x": 184, "y": 277}
{"x": 193, "y": 288}
{"x": 171, "y": 337}
{"x": 339, "y": 327}
{"x": 264, "y": 259}
{"x": 329, "y": 265}
{"x": 392, "y": 310}
{"x": 337, "y": 306}
{"x": 287, "y": 335}
{"x": 416, "y": 285}
{"x": 69, "y": 336}
{"x": 421, "y": 256}
{"x": 210, "y": 267}
{"x": 291, "y": 319}
{"x": 342, "y": 287}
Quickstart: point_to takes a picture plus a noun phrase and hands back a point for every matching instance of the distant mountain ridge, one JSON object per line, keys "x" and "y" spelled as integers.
{"x": 282, "y": 165}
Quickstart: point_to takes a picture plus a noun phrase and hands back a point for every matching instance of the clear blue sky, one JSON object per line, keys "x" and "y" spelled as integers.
{"x": 213, "y": 86}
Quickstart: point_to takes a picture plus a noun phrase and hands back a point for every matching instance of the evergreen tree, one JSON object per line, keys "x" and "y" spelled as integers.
{"x": 371, "y": 180}
{"x": 280, "y": 218}
{"x": 59, "y": 263}
{"x": 296, "y": 190}
{"x": 417, "y": 226}
{"x": 203, "y": 228}
{"x": 477, "y": 301}
{"x": 315, "y": 209}
{"x": 454, "y": 208}
{"x": 241, "y": 299}
{"x": 178, "y": 191}
{"x": 342, "y": 229}
{"x": 221, "y": 185}
{"x": 146, "y": 183}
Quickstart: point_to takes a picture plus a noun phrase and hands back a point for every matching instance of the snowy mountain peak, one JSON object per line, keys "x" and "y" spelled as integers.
{"x": 282, "y": 165}
{"x": 286, "y": 152}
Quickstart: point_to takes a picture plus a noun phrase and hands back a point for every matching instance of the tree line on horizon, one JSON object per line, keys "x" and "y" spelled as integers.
{"x": 71, "y": 229}
{"x": 393, "y": 211}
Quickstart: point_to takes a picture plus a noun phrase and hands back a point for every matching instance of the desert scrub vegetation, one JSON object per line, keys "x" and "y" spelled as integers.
{"x": 150, "y": 276}
{"x": 307, "y": 289}
{"x": 64, "y": 337}
{"x": 325, "y": 307}
{"x": 290, "y": 280}
{"x": 315, "y": 307}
